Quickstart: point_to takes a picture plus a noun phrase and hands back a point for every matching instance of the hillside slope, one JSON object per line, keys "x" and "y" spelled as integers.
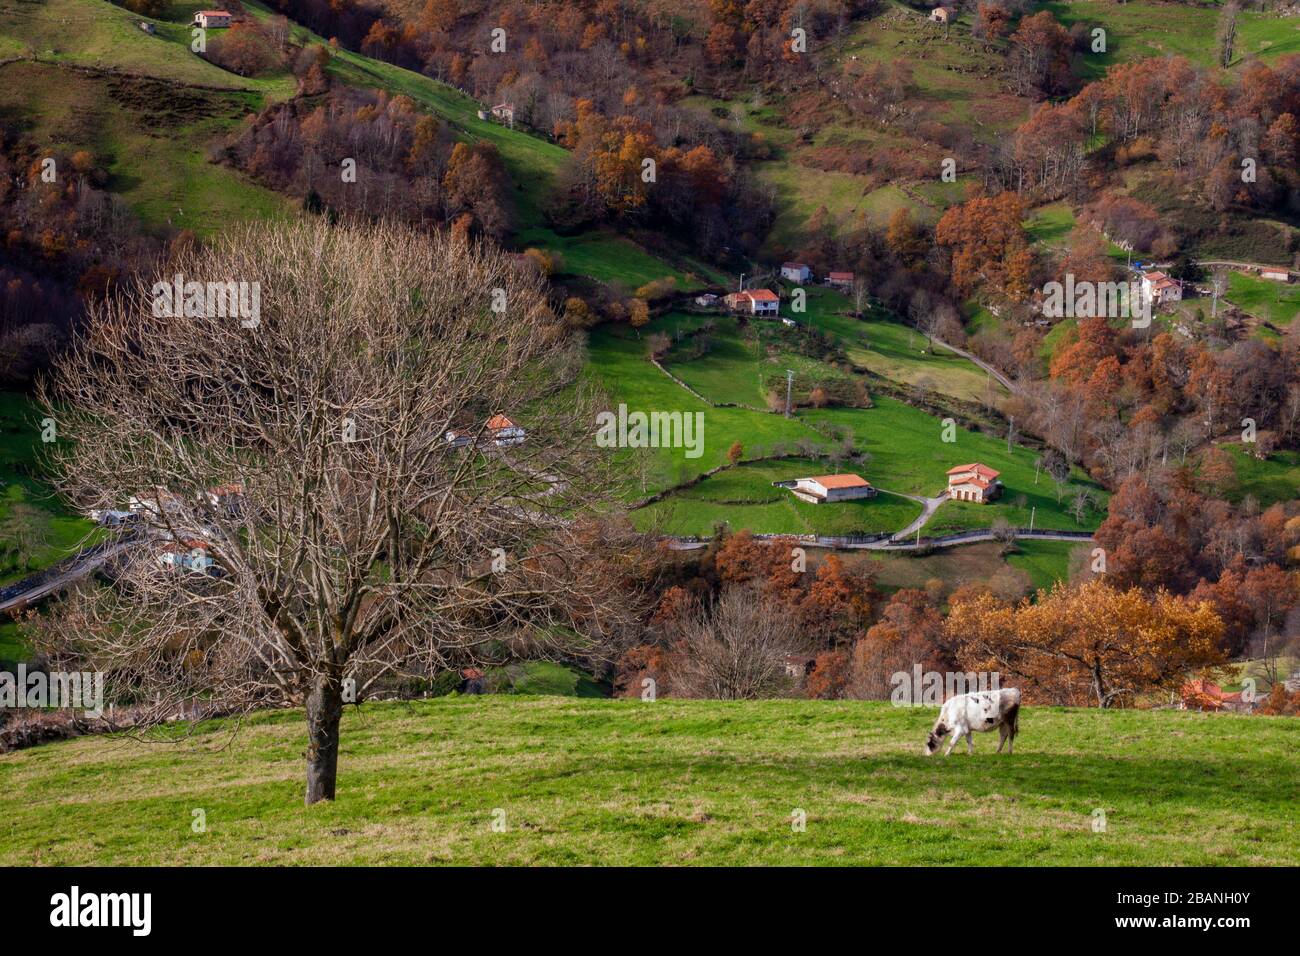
{"x": 670, "y": 782}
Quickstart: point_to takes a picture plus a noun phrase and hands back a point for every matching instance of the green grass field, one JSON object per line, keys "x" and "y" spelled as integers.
{"x": 1140, "y": 29}
{"x": 1274, "y": 479}
{"x": 1276, "y": 302}
{"x": 744, "y": 497}
{"x": 623, "y": 782}
{"x": 907, "y": 452}
{"x": 64, "y": 530}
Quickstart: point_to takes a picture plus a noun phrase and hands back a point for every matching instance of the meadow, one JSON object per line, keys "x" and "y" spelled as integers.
{"x": 670, "y": 782}
{"x": 62, "y": 530}
{"x": 905, "y": 446}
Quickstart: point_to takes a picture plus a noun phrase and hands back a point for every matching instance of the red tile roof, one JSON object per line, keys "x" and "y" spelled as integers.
{"x": 983, "y": 471}
{"x": 762, "y": 295}
{"x": 498, "y": 422}
{"x": 842, "y": 276}
{"x": 841, "y": 481}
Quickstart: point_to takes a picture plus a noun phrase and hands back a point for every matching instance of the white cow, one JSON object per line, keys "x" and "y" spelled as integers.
{"x": 965, "y": 713}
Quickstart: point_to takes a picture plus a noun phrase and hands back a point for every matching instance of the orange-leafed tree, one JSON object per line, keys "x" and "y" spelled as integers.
{"x": 1090, "y": 643}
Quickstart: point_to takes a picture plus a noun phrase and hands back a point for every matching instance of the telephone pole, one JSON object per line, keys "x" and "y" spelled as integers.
{"x": 789, "y": 389}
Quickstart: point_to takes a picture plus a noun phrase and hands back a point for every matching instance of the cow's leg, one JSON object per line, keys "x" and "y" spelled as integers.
{"x": 1002, "y": 736}
{"x": 970, "y": 745}
{"x": 952, "y": 741}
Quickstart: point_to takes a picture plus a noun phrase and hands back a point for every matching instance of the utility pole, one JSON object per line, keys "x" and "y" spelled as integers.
{"x": 789, "y": 389}
{"x": 1032, "y": 512}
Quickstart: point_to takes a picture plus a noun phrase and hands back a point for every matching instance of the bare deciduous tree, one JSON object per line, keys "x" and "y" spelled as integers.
{"x": 735, "y": 650}
{"x": 335, "y": 533}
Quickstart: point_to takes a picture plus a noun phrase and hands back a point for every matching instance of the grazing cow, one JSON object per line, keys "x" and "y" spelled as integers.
{"x": 965, "y": 713}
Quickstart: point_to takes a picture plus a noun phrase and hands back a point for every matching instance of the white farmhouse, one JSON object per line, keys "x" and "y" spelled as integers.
{"x": 830, "y": 488}
{"x": 795, "y": 272}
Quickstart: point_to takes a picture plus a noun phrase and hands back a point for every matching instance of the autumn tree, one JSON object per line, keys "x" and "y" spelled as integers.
{"x": 1088, "y": 642}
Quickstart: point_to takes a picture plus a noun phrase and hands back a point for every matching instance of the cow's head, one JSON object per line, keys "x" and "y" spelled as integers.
{"x": 935, "y": 739}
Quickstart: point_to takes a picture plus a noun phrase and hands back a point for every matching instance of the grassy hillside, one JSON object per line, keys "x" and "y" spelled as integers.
{"x": 907, "y": 452}
{"x": 1142, "y": 29}
{"x": 670, "y": 782}
{"x": 61, "y": 531}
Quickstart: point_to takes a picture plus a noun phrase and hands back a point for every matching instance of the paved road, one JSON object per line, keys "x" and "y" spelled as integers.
{"x": 889, "y": 544}
{"x": 928, "y": 507}
{"x": 1002, "y": 379}
{"x": 87, "y": 564}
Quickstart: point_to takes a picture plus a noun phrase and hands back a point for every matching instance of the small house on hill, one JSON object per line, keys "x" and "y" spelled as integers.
{"x": 840, "y": 280}
{"x": 213, "y": 19}
{"x": 1160, "y": 288}
{"x": 498, "y": 430}
{"x": 973, "y": 482}
{"x": 505, "y": 112}
{"x": 795, "y": 272}
{"x": 829, "y": 488}
{"x": 755, "y": 302}
{"x": 941, "y": 15}
{"x": 502, "y": 431}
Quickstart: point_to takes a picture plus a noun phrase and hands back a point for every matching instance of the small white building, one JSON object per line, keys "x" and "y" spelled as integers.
{"x": 707, "y": 301}
{"x": 941, "y": 15}
{"x": 790, "y": 322}
{"x": 150, "y": 505}
{"x": 185, "y": 555}
{"x": 1275, "y": 275}
{"x": 213, "y": 19}
{"x": 829, "y": 488}
{"x": 1160, "y": 288}
{"x": 755, "y": 302}
{"x": 795, "y": 272}
{"x": 840, "y": 280}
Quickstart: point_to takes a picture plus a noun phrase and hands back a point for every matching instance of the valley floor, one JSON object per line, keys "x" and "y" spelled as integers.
{"x": 671, "y": 782}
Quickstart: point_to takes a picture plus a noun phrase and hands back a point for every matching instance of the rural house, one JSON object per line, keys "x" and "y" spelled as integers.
{"x": 188, "y": 555}
{"x": 505, "y": 112}
{"x": 795, "y": 272}
{"x": 798, "y": 666}
{"x": 829, "y": 488}
{"x": 212, "y": 19}
{"x": 755, "y": 302}
{"x": 1160, "y": 288}
{"x": 840, "y": 280}
{"x": 228, "y": 497}
{"x": 502, "y": 431}
{"x": 973, "y": 482}
{"x": 941, "y": 15}
{"x": 1275, "y": 275}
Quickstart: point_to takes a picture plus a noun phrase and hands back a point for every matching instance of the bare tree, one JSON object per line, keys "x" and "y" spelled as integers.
{"x": 304, "y": 461}
{"x": 735, "y": 650}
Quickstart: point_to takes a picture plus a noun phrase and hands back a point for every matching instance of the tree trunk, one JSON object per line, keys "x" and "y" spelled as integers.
{"x": 324, "y": 711}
